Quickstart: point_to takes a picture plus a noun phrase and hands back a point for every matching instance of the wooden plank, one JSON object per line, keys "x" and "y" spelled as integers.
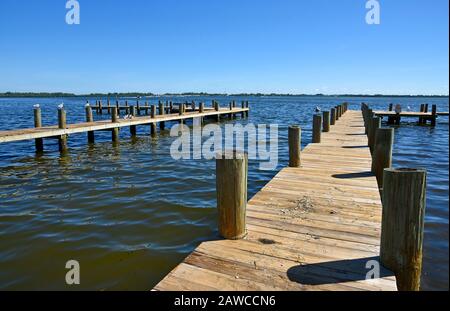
{"x": 312, "y": 227}
{"x": 51, "y": 131}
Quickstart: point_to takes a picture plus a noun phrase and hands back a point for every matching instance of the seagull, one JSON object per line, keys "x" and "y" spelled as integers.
{"x": 317, "y": 110}
{"x": 87, "y": 105}
{"x": 408, "y": 108}
{"x": 61, "y": 106}
{"x": 36, "y": 106}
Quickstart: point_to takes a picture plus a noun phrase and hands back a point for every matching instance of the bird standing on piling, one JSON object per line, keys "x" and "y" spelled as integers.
{"x": 317, "y": 110}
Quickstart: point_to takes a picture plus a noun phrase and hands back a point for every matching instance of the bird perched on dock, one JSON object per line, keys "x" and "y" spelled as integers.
{"x": 36, "y": 106}
{"x": 61, "y": 106}
{"x": 317, "y": 110}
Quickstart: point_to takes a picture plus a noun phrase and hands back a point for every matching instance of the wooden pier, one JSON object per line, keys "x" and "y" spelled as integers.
{"x": 62, "y": 130}
{"x": 423, "y": 116}
{"x": 312, "y": 227}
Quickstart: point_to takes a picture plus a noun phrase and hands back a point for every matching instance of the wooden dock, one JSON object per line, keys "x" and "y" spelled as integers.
{"x": 423, "y": 115}
{"x": 316, "y": 227}
{"x": 103, "y": 125}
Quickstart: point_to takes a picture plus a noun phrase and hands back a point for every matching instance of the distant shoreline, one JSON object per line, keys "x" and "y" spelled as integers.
{"x": 143, "y": 95}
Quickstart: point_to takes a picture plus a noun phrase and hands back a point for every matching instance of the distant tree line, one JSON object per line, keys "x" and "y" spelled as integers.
{"x": 140, "y": 94}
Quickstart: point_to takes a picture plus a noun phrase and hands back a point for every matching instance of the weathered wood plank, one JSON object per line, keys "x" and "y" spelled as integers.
{"x": 312, "y": 227}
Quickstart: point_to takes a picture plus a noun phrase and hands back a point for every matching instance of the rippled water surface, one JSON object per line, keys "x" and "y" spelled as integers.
{"x": 129, "y": 213}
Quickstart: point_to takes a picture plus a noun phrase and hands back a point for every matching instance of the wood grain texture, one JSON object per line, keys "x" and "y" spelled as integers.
{"x": 313, "y": 227}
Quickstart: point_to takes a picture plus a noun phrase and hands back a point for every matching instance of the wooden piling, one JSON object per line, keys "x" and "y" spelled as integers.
{"x": 62, "y": 124}
{"x": 39, "y": 142}
{"x": 89, "y": 118}
{"x": 217, "y": 108}
{"x": 242, "y": 106}
{"x": 326, "y": 121}
{"x": 201, "y": 109}
{"x": 138, "y": 108}
{"x": 367, "y": 123}
{"x": 294, "y": 138}
{"x": 317, "y": 128}
{"x": 133, "y": 114}
{"x": 114, "y": 119}
{"x": 162, "y": 125}
{"x": 375, "y": 124}
{"x": 231, "y": 187}
{"x": 333, "y": 116}
{"x": 403, "y": 224}
{"x": 152, "y": 115}
{"x": 100, "y": 108}
{"x": 337, "y": 112}
{"x": 382, "y": 153}
{"x": 108, "y": 104}
{"x": 433, "y": 115}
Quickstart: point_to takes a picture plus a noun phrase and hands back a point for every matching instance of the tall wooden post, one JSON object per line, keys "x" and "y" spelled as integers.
{"x": 89, "y": 118}
{"x": 62, "y": 124}
{"x": 294, "y": 146}
{"x": 162, "y": 125}
{"x": 133, "y": 127}
{"x": 108, "y": 104}
{"x": 402, "y": 228}
{"x": 118, "y": 107}
{"x": 181, "y": 112}
{"x": 231, "y": 187}
{"x": 217, "y": 108}
{"x": 375, "y": 124}
{"x": 433, "y": 115}
{"x": 39, "y": 142}
{"x": 337, "y": 113}
{"x": 317, "y": 128}
{"x": 382, "y": 153}
{"x": 127, "y": 110}
{"x": 115, "y": 119}
{"x": 100, "y": 108}
{"x": 152, "y": 115}
{"x": 242, "y": 106}
{"x": 326, "y": 121}
{"x": 391, "y": 119}
{"x": 333, "y": 116}
{"x": 201, "y": 109}
{"x": 367, "y": 122}
{"x": 138, "y": 108}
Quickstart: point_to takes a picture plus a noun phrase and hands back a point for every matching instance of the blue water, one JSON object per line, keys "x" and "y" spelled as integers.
{"x": 129, "y": 213}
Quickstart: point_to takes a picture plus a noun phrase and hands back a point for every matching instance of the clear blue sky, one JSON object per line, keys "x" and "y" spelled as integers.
{"x": 295, "y": 46}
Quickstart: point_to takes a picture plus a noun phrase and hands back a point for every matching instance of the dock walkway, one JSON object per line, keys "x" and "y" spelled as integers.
{"x": 316, "y": 227}
{"x": 84, "y": 127}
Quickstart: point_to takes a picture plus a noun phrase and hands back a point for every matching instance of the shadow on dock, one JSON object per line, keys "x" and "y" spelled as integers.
{"x": 339, "y": 271}
{"x": 353, "y": 175}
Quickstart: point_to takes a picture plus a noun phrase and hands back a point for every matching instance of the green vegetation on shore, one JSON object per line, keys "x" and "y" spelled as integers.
{"x": 139, "y": 94}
